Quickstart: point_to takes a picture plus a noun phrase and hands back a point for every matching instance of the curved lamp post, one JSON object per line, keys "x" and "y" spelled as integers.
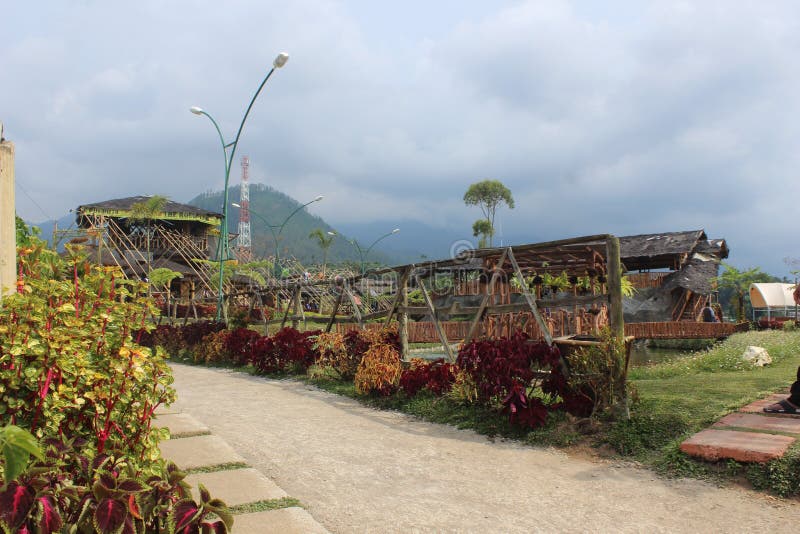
{"x": 223, "y": 246}
{"x": 275, "y": 235}
{"x": 363, "y": 253}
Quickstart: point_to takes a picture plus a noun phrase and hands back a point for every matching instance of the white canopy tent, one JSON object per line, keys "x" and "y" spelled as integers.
{"x": 773, "y": 298}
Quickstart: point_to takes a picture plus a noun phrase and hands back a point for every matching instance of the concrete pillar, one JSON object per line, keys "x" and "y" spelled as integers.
{"x": 8, "y": 234}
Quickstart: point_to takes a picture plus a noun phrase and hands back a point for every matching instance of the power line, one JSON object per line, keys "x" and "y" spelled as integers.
{"x": 25, "y": 192}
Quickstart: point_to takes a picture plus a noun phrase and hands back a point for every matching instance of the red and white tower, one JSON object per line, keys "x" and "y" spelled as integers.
{"x": 244, "y": 249}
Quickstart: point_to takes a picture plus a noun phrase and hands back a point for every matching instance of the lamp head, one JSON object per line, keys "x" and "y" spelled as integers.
{"x": 331, "y": 233}
{"x": 395, "y": 230}
{"x": 196, "y": 110}
{"x": 281, "y": 60}
{"x": 320, "y": 197}
{"x": 235, "y": 205}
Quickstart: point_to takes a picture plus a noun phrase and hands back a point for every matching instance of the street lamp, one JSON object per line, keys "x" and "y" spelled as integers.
{"x": 223, "y": 248}
{"x": 363, "y": 253}
{"x": 277, "y": 269}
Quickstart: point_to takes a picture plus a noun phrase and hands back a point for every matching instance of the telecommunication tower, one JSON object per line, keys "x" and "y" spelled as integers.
{"x": 244, "y": 249}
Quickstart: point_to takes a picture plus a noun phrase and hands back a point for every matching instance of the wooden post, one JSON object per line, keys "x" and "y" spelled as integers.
{"x": 473, "y": 327}
{"x": 296, "y": 308}
{"x": 402, "y": 317}
{"x": 436, "y": 324}
{"x": 616, "y": 323}
{"x": 356, "y": 311}
{"x": 548, "y": 338}
{"x": 335, "y": 309}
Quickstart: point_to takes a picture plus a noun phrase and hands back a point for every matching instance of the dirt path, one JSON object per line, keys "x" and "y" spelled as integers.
{"x": 363, "y": 470}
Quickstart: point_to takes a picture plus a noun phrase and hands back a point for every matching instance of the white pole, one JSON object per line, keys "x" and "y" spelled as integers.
{"x": 8, "y": 233}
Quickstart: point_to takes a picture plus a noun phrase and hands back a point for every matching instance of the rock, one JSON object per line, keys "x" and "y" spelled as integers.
{"x": 758, "y": 356}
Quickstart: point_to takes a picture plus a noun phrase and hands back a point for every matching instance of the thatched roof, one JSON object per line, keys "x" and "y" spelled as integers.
{"x": 122, "y": 207}
{"x": 697, "y": 276}
{"x": 668, "y": 250}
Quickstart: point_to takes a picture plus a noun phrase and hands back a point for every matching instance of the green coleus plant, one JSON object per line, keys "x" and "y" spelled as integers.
{"x": 68, "y": 364}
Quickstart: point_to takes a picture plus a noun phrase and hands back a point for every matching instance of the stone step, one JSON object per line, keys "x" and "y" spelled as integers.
{"x": 759, "y": 405}
{"x": 199, "y": 451}
{"x": 236, "y": 486}
{"x": 761, "y": 422}
{"x": 713, "y": 445}
{"x": 180, "y": 423}
{"x": 292, "y": 520}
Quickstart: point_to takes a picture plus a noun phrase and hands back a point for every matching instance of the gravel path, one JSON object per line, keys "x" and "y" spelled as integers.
{"x": 361, "y": 470}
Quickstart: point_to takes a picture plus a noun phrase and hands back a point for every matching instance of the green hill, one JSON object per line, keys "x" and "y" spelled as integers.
{"x": 268, "y": 205}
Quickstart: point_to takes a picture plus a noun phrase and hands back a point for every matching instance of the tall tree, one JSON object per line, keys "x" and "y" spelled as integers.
{"x": 324, "y": 240}
{"x": 488, "y": 195}
{"x": 739, "y": 282}
{"x": 482, "y": 229}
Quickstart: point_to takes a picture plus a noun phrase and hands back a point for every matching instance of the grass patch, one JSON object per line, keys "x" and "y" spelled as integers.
{"x": 264, "y": 506}
{"x": 230, "y": 466}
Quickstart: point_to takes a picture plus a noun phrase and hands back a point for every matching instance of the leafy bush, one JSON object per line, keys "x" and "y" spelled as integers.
{"x": 437, "y": 376}
{"x": 69, "y": 491}
{"x": 68, "y": 364}
{"x": 239, "y": 345}
{"x": 212, "y": 349}
{"x": 506, "y": 371}
{"x": 193, "y": 333}
{"x": 333, "y": 354}
{"x": 287, "y": 351}
{"x": 379, "y": 369}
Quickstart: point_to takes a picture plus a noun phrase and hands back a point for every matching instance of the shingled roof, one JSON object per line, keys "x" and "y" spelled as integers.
{"x": 668, "y": 250}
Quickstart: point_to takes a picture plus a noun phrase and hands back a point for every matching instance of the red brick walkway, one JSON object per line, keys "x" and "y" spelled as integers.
{"x": 749, "y": 435}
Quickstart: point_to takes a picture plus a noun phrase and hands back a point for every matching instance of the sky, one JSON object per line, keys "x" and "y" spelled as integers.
{"x": 621, "y": 117}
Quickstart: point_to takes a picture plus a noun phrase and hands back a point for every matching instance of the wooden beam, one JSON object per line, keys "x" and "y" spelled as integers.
{"x": 401, "y": 297}
{"x": 335, "y": 309}
{"x": 402, "y": 318}
{"x": 616, "y": 323}
{"x": 548, "y": 338}
{"x": 436, "y": 324}
{"x": 457, "y": 309}
{"x": 356, "y": 311}
{"x": 473, "y": 327}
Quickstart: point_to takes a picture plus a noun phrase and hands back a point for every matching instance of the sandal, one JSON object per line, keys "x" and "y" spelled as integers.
{"x": 783, "y": 406}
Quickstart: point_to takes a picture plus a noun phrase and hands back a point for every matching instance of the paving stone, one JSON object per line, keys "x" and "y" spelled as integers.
{"x": 292, "y": 520}
{"x": 180, "y": 423}
{"x": 199, "y": 451}
{"x": 712, "y": 444}
{"x": 759, "y": 405}
{"x": 761, "y": 422}
{"x": 162, "y": 410}
{"x": 236, "y": 486}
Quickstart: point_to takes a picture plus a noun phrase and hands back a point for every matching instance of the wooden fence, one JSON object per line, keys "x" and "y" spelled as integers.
{"x": 424, "y": 332}
{"x": 683, "y": 330}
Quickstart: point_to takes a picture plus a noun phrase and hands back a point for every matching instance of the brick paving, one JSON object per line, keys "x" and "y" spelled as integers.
{"x": 748, "y": 435}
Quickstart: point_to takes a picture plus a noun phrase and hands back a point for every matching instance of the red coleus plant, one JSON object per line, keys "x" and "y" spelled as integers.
{"x": 239, "y": 344}
{"x": 506, "y": 370}
{"x": 287, "y": 350}
{"x": 437, "y": 376}
{"x": 70, "y": 492}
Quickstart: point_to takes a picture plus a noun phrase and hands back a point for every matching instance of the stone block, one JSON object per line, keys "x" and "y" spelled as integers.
{"x": 180, "y": 423}
{"x": 761, "y": 422}
{"x": 236, "y": 486}
{"x": 758, "y": 356}
{"x": 712, "y": 444}
{"x": 199, "y": 451}
{"x": 292, "y": 520}
{"x": 759, "y": 405}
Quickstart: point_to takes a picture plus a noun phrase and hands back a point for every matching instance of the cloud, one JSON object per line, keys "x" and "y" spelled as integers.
{"x": 623, "y": 117}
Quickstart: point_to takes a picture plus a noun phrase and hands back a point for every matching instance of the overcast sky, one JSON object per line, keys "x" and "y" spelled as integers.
{"x": 600, "y": 116}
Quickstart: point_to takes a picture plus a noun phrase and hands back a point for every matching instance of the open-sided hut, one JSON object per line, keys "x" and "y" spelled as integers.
{"x": 173, "y": 238}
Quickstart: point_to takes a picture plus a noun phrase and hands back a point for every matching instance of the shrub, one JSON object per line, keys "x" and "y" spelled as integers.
{"x": 213, "y": 348}
{"x": 379, "y": 370}
{"x": 69, "y": 491}
{"x": 437, "y": 376}
{"x": 239, "y": 344}
{"x": 193, "y": 333}
{"x": 287, "y": 351}
{"x": 508, "y": 370}
{"x": 68, "y": 364}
